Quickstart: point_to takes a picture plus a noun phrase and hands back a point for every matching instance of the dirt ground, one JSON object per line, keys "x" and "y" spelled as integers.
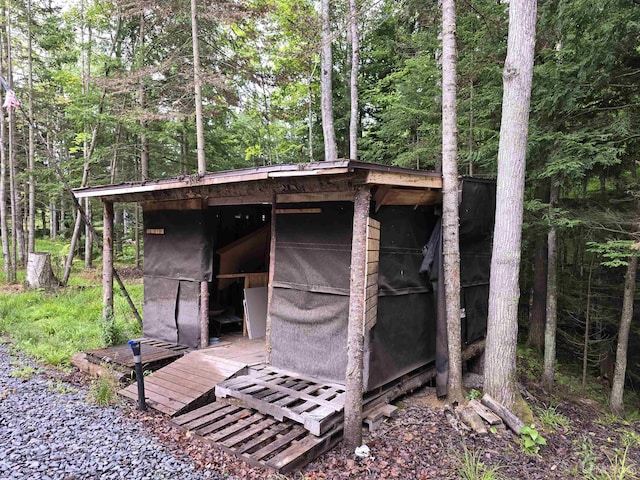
{"x": 422, "y": 442}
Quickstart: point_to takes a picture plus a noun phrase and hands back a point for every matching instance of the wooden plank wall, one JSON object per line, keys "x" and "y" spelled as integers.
{"x": 373, "y": 257}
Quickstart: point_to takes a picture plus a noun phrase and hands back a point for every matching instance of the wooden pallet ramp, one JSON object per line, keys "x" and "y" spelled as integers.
{"x": 255, "y": 437}
{"x": 189, "y": 382}
{"x": 317, "y": 406}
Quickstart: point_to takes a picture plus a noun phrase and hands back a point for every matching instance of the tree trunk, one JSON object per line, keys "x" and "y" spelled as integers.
{"x": 197, "y": 87}
{"x": 355, "y": 330}
{"x": 39, "y": 271}
{"x": 617, "y": 387}
{"x": 9, "y": 272}
{"x": 326, "y": 91}
{"x": 450, "y": 215}
{"x": 502, "y": 323}
{"x": 88, "y": 243}
{"x": 144, "y": 141}
{"x": 31, "y": 244}
{"x": 53, "y": 221}
{"x": 548, "y": 373}
{"x": 107, "y": 262}
{"x": 537, "y": 315}
{"x": 355, "y": 59}
{"x": 587, "y": 332}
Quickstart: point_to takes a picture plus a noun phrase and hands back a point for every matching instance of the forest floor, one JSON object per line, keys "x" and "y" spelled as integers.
{"x": 421, "y": 442}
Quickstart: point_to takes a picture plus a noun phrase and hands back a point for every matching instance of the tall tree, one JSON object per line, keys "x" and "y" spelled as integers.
{"x": 355, "y": 64}
{"x": 197, "y": 87}
{"x": 31, "y": 243}
{"x": 9, "y": 271}
{"x": 450, "y": 214}
{"x": 502, "y": 322}
{"x": 548, "y": 374}
{"x": 326, "y": 78}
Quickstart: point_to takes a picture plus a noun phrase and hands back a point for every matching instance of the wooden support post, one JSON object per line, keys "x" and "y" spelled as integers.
{"x": 355, "y": 331}
{"x": 107, "y": 262}
{"x": 272, "y": 266}
{"x": 204, "y": 314}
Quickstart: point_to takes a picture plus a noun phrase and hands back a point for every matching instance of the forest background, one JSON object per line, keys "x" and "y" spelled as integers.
{"x": 108, "y": 86}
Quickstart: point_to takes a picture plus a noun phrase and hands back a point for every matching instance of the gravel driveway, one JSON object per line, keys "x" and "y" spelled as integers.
{"x": 49, "y": 430}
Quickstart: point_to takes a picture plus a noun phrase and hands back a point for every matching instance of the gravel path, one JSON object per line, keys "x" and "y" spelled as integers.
{"x": 48, "y": 430}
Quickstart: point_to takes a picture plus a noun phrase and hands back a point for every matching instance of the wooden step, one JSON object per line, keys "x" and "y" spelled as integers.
{"x": 257, "y": 438}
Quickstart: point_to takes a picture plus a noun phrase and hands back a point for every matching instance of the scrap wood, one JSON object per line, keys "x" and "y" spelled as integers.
{"x": 486, "y": 414}
{"x": 469, "y": 416}
{"x": 512, "y": 421}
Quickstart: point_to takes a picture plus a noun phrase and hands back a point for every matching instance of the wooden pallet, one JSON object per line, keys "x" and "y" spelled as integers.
{"x": 316, "y": 406}
{"x": 189, "y": 382}
{"x": 153, "y": 352}
{"x": 257, "y": 438}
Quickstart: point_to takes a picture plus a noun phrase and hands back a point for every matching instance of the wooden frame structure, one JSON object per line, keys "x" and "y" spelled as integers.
{"x": 364, "y": 184}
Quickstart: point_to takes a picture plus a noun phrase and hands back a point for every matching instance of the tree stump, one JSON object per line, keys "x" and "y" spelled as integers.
{"x": 39, "y": 271}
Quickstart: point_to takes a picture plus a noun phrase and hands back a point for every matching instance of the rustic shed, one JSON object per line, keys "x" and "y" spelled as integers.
{"x": 328, "y": 247}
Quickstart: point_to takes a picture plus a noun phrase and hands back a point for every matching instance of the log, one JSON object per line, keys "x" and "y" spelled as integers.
{"x": 39, "y": 271}
{"x": 512, "y": 421}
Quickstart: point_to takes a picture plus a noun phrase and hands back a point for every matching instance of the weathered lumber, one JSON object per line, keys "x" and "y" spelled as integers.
{"x": 471, "y": 418}
{"x": 512, "y": 421}
{"x": 486, "y": 414}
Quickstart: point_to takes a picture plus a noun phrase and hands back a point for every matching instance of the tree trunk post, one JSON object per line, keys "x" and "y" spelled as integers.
{"x": 204, "y": 314}
{"x": 197, "y": 87}
{"x": 272, "y": 266}
{"x": 355, "y": 330}
{"x": 326, "y": 74}
{"x": 107, "y": 262}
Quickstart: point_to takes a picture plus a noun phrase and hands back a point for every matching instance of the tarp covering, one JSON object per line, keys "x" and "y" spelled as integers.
{"x": 404, "y": 336}
{"x": 177, "y": 257}
{"x": 310, "y": 302}
{"x": 172, "y": 310}
{"x": 176, "y": 245}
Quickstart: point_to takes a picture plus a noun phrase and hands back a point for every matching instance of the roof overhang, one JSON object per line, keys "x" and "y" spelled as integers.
{"x": 291, "y": 183}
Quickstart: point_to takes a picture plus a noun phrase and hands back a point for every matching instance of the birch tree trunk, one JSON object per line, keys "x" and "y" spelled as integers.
{"x": 502, "y": 323}
{"x": 197, "y": 87}
{"x": 548, "y": 374}
{"x": 450, "y": 219}
{"x": 355, "y": 59}
{"x": 326, "y": 91}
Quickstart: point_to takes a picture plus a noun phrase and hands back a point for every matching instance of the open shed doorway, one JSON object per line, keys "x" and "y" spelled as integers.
{"x": 240, "y": 236}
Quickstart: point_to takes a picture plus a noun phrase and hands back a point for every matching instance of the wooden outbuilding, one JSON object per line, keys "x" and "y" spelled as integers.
{"x": 337, "y": 264}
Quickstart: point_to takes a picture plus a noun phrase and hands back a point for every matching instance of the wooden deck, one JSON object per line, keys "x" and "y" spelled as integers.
{"x": 257, "y": 438}
{"x": 153, "y": 352}
{"x": 189, "y": 382}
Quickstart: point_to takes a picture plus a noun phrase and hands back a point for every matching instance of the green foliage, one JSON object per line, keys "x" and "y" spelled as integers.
{"x": 471, "y": 466}
{"x": 531, "y": 439}
{"x": 615, "y": 253}
{"x": 618, "y": 466}
{"x": 103, "y": 390}
{"x": 60, "y": 387}
{"x": 551, "y": 418}
{"x": 474, "y": 394}
{"x": 23, "y": 373}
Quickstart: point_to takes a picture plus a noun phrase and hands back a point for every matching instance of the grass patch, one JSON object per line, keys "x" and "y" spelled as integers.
{"x": 23, "y": 373}
{"x": 103, "y": 390}
{"x": 53, "y": 326}
{"x": 471, "y": 466}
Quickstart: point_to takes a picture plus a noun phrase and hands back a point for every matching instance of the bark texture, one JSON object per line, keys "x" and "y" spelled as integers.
{"x": 617, "y": 387}
{"x": 107, "y": 262}
{"x": 355, "y": 330}
{"x": 450, "y": 214}
{"x": 537, "y": 316}
{"x": 326, "y": 91}
{"x": 197, "y": 87}
{"x": 502, "y": 325}
{"x": 39, "y": 271}
{"x": 548, "y": 374}
{"x": 355, "y": 59}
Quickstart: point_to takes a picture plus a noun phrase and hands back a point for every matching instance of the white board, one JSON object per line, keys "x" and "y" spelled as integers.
{"x": 255, "y": 301}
